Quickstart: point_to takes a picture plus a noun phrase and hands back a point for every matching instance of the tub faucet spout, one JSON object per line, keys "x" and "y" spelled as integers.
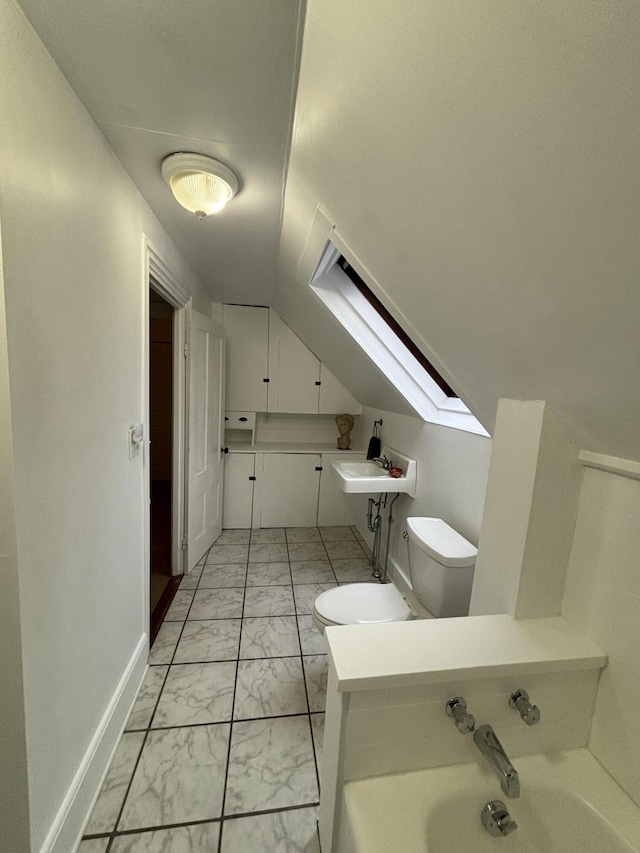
{"x": 487, "y": 742}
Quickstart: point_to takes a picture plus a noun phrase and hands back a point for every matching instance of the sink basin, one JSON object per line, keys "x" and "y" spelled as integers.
{"x": 369, "y": 478}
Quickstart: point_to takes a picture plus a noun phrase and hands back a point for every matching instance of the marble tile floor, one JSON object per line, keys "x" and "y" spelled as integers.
{"x": 222, "y": 749}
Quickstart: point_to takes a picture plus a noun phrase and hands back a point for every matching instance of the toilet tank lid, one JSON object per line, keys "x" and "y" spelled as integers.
{"x": 443, "y": 543}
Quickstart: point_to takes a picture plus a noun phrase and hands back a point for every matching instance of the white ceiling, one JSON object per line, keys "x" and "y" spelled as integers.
{"x": 212, "y": 76}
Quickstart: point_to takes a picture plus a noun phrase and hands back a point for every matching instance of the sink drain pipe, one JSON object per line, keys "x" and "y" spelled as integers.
{"x": 380, "y": 571}
{"x": 375, "y": 526}
{"x": 390, "y": 520}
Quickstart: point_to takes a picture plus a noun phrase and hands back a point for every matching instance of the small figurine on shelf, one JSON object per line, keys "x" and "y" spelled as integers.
{"x": 345, "y": 425}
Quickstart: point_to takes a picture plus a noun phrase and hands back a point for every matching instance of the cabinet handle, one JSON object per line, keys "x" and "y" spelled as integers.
{"x": 266, "y": 380}
{"x": 252, "y": 478}
{"x": 318, "y": 383}
{"x": 318, "y": 467}
{"x": 224, "y": 450}
{"x": 243, "y": 420}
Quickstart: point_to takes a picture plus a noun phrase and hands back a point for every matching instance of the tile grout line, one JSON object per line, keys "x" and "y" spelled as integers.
{"x": 233, "y": 704}
{"x": 148, "y": 729}
{"x": 179, "y": 824}
{"x": 114, "y": 833}
{"x": 142, "y": 830}
{"x": 306, "y": 691}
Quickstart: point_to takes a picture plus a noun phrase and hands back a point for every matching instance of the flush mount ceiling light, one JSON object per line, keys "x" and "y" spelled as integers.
{"x": 199, "y": 183}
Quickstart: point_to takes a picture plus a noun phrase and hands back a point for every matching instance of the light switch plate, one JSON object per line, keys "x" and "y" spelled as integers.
{"x": 136, "y": 435}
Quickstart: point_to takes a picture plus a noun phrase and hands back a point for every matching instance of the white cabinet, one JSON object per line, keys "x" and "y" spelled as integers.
{"x": 246, "y": 329}
{"x": 288, "y": 484}
{"x": 335, "y": 508}
{"x": 334, "y": 398}
{"x": 269, "y": 369}
{"x": 239, "y": 476}
{"x": 294, "y": 371}
{"x": 286, "y": 490}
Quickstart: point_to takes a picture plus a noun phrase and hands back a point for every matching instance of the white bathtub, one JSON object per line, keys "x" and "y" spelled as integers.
{"x": 568, "y": 804}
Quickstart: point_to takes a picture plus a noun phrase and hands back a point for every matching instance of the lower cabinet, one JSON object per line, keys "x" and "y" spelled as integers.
{"x": 285, "y": 490}
{"x": 288, "y": 488}
{"x": 239, "y": 471}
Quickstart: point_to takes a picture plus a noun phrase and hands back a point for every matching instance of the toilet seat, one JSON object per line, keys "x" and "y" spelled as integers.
{"x": 361, "y": 604}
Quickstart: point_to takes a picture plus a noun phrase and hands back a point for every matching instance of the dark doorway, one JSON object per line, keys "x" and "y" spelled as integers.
{"x": 163, "y": 584}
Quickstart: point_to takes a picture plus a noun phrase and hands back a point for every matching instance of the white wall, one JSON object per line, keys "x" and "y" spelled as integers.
{"x": 481, "y": 161}
{"x": 72, "y": 246}
{"x": 14, "y": 826}
{"x": 529, "y": 514}
{"x": 602, "y": 600}
{"x": 453, "y": 467}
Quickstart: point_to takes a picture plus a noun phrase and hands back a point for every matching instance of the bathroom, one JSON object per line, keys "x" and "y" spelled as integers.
{"x": 477, "y": 164}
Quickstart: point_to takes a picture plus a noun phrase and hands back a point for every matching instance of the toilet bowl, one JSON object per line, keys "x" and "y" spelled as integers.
{"x": 359, "y": 604}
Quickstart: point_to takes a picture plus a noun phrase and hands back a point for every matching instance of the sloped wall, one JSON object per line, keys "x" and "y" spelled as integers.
{"x": 480, "y": 160}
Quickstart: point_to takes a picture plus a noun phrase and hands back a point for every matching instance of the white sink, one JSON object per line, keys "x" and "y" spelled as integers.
{"x": 370, "y": 478}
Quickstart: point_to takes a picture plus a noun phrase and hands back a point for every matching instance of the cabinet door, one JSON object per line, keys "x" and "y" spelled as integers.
{"x": 238, "y": 490}
{"x": 289, "y": 490}
{"x": 335, "y": 508}
{"x": 246, "y": 329}
{"x": 334, "y": 397}
{"x": 294, "y": 371}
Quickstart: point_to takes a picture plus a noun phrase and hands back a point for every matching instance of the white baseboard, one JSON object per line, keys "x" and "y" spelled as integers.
{"x": 66, "y": 831}
{"x": 397, "y": 575}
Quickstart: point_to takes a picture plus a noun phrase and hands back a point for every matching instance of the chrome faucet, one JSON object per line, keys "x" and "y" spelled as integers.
{"x": 519, "y": 701}
{"x": 497, "y": 820}
{"x": 384, "y": 462}
{"x": 487, "y": 742}
{"x": 456, "y": 708}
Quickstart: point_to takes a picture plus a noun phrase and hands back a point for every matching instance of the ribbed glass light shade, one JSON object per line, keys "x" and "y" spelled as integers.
{"x": 200, "y": 184}
{"x": 200, "y": 192}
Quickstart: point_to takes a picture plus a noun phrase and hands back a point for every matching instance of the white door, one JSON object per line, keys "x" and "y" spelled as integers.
{"x": 206, "y": 412}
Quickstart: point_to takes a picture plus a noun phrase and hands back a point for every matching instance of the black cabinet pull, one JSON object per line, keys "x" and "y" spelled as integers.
{"x": 266, "y": 380}
{"x": 224, "y": 450}
{"x": 252, "y": 478}
{"x": 318, "y": 383}
{"x": 243, "y": 420}
{"x": 318, "y": 467}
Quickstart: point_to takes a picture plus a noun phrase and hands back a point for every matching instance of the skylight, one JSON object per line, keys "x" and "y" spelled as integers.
{"x": 387, "y": 344}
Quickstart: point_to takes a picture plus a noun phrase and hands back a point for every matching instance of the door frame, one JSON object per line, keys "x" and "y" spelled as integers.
{"x": 159, "y": 277}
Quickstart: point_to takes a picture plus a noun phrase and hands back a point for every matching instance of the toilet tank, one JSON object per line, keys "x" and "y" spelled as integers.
{"x": 441, "y": 564}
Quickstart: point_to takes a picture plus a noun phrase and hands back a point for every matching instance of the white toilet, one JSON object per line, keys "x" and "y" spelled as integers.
{"x": 441, "y": 564}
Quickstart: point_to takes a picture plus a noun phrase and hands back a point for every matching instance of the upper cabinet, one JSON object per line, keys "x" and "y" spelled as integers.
{"x": 246, "y": 329}
{"x": 260, "y": 346}
{"x": 294, "y": 371}
{"x": 334, "y": 397}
